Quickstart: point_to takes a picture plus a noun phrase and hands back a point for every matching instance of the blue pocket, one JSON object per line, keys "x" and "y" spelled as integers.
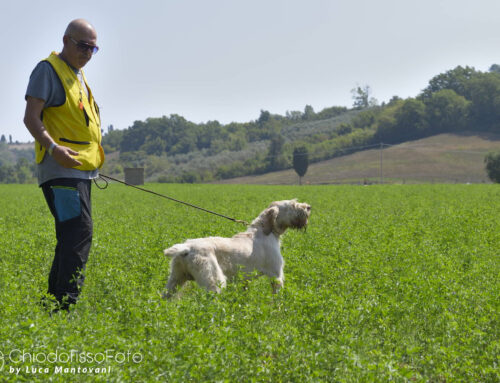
{"x": 66, "y": 202}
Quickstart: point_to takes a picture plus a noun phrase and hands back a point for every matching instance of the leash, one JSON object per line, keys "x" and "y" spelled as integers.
{"x": 104, "y": 177}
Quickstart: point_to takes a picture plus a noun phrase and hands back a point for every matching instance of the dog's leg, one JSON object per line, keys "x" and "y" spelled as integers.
{"x": 210, "y": 276}
{"x": 276, "y": 284}
{"x": 177, "y": 278}
{"x": 172, "y": 286}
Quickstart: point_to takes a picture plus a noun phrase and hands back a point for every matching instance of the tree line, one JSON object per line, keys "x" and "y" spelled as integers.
{"x": 461, "y": 99}
{"x": 16, "y": 167}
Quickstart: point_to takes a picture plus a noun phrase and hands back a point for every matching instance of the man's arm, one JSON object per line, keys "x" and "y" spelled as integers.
{"x": 62, "y": 154}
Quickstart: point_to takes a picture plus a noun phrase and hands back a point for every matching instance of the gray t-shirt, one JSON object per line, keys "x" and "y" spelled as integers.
{"x": 45, "y": 84}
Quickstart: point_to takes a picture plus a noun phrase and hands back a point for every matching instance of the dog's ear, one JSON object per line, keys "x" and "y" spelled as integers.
{"x": 269, "y": 219}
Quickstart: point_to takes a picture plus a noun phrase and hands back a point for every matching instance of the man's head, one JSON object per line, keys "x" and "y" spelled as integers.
{"x": 80, "y": 41}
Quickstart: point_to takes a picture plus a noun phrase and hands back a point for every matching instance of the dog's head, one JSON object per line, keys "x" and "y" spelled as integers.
{"x": 281, "y": 215}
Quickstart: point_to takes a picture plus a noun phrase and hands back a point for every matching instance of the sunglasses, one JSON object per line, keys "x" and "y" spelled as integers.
{"x": 84, "y": 47}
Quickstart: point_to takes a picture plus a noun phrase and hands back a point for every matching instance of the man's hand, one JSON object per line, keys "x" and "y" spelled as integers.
{"x": 63, "y": 156}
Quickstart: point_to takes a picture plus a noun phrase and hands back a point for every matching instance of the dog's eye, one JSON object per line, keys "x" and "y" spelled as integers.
{"x": 308, "y": 208}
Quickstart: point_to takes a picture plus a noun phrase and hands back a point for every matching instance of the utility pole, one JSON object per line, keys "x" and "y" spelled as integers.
{"x": 381, "y": 163}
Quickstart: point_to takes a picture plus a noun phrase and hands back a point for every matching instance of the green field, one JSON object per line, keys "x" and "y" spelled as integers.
{"x": 388, "y": 283}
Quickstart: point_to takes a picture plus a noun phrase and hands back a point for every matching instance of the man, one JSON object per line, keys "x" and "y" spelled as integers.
{"x": 62, "y": 116}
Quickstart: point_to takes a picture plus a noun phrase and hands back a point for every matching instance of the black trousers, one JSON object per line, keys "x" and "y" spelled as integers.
{"x": 69, "y": 202}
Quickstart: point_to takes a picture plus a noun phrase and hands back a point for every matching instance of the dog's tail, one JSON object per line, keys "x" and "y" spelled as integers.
{"x": 176, "y": 250}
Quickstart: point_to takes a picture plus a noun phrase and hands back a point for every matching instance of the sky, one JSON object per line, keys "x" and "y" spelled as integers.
{"x": 227, "y": 60}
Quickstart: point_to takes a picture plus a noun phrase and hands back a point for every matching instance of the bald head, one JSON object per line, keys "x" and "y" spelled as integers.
{"x": 78, "y": 32}
{"x": 80, "y": 26}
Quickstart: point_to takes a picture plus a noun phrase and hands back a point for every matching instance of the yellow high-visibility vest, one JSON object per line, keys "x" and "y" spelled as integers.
{"x": 76, "y": 123}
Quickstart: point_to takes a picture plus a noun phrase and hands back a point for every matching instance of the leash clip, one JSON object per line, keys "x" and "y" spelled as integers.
{"x": 103, "y": 179}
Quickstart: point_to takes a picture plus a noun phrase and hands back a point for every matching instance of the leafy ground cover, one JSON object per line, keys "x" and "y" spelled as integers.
{"x": 388, "y": 283}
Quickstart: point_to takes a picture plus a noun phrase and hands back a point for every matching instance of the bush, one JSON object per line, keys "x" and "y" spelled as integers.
{"x": 492, "y": 162}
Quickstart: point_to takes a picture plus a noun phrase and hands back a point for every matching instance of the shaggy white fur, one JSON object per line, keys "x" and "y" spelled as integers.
{"x": 212, "y": 261}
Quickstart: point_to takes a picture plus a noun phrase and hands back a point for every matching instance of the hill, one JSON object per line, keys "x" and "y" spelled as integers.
{"x": 173, "y": 149}
{"x": 210, "y": 151}
{"x": 446, "y": 158}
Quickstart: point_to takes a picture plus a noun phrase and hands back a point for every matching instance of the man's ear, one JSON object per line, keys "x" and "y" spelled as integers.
{"x": 269, "y": 220}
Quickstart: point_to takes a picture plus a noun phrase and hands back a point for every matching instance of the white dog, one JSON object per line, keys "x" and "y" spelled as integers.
{"x": 211, "y": 261}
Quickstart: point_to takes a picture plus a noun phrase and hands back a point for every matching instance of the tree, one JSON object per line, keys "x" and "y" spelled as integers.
{"x": 495, "y": 68}
{"x": 331, "y": 112}
{"x": 394, "y": 100}
{"x": 294, "y": 115}
{"x": 112, "y": 141}
{"x": 455, "y": 79}
{"x": 343, "y": 129}
{"x": 411, "y": 120}
{"x": 447, "y": 112}
{"x": 3, "y": 139}
{"x": 492, "y": 162}
{"x": 133, "y": 138}
{"x": 401, "y": 121}
{"x": 264, "y": 117}
{"x": 362, "y": 97}
{"x": 8, "y": 174}
{"x": 24, "y": 170}
{"x": 154, "y": 146}
{"x": 276, "y": 160}
{"x": 308, "y": 113}
{"x": 300, "y": 161}
{"x": 484, "y": 91}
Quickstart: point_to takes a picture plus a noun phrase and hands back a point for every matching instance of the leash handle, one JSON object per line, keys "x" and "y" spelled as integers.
{"x": 104, "y": 177}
